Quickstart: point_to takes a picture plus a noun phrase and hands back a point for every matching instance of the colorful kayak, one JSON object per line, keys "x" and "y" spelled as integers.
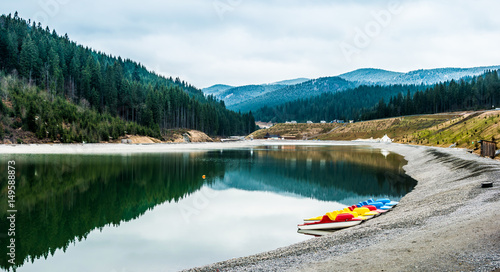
{"x": 343, "y": 220}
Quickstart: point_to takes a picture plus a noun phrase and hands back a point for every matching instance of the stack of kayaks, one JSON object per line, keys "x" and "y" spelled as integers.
{"x": 349, "y": 216}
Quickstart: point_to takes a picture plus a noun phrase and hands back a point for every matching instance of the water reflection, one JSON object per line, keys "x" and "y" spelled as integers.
{"x": 343, "y": 173}
{"x": 63, "y": 198}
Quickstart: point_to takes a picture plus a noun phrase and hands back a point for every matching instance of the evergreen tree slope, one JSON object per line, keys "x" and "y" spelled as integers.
{"x": 372, "y": 102}
{"x": 479, "y": 93}
{"x": 346, "y": 105}
{"x": 56, "y": 119}
{"x": 108, "y": 84}
{"x": 303, "y": 90}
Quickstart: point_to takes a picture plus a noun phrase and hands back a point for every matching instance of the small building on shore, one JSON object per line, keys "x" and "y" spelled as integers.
{"x": 386, "y": 139}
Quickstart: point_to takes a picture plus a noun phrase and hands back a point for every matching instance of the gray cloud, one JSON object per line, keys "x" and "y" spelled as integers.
{"x": 241, "y": 42}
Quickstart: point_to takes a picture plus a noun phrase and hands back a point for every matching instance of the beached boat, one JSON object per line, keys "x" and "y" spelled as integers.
{"x": 343, "y": 220}
{"x": 387, "y": 202}
{"x": 333, "y": 214}
{"x": 364, "y": 211}
{"x": 315, "y": 233}
{"x": 373, "y": 208}
{"x": 379, "y": 205}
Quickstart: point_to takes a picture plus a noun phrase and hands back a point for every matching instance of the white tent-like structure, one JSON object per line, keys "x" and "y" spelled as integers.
{"x": 386, "y": 139}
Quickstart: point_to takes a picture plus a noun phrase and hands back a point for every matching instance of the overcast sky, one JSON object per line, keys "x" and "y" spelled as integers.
{"x": 240, "y": 42}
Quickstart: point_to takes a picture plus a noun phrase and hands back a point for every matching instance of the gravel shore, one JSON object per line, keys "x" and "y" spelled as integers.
{"x": 447, "y": 223}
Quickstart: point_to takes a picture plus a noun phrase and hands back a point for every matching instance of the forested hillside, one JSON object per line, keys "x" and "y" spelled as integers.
{"x": 105, "y": 84}
{"x": 344, "y": 105}
{"x": 303, "y": 90}
{"x": 237, "y": 94}
{"x": 56, "y": 119}
{"x": 372, "y": 102}
{"x": 480, "y": 93}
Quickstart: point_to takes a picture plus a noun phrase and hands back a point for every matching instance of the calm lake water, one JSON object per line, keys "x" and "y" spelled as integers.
{"x": 155, "y": 212}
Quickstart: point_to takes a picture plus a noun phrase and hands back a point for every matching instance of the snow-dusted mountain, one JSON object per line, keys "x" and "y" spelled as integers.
{"x": 252, "y": 97}
{"x": 244, "y": 93}
{"x": 234, "y": 95}
{"x": 292, "y": 81}
{"x": 216, "y": 89}
{"x": 306, "y": 89}
{"x": 372, "y": 76}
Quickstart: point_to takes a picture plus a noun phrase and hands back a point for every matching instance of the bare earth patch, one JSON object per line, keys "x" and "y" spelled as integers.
{"x": 198, "y": 137}
{"x": 142, "y": 139}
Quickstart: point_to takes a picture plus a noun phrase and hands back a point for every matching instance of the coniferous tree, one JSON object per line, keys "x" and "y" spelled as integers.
{"x": 28, "y": 59}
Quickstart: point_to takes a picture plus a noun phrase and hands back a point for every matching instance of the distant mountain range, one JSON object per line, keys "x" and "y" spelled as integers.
{"x": 252, "y": 97}
{"x": 236, "y": 95}
{"x": 292, "y": 81}
{"x": 371, "y": 76}
{"x": 285, "y": 94}
{"x": 216, "y": 89}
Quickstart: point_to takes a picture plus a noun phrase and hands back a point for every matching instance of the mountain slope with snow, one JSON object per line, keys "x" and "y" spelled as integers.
{"x": 253, "y": 97}
{"x": 370, "y": 76}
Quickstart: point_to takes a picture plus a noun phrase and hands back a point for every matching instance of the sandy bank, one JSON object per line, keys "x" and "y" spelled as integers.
{"x": 447, "y": 223}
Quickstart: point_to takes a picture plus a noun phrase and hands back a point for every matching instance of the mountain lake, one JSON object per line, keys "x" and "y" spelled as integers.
{"x": 172, "y": 211}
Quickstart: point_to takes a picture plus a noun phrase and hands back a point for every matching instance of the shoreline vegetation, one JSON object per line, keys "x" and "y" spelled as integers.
{"x": 457, "y": 129}
{"x": 447, "y": 223}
